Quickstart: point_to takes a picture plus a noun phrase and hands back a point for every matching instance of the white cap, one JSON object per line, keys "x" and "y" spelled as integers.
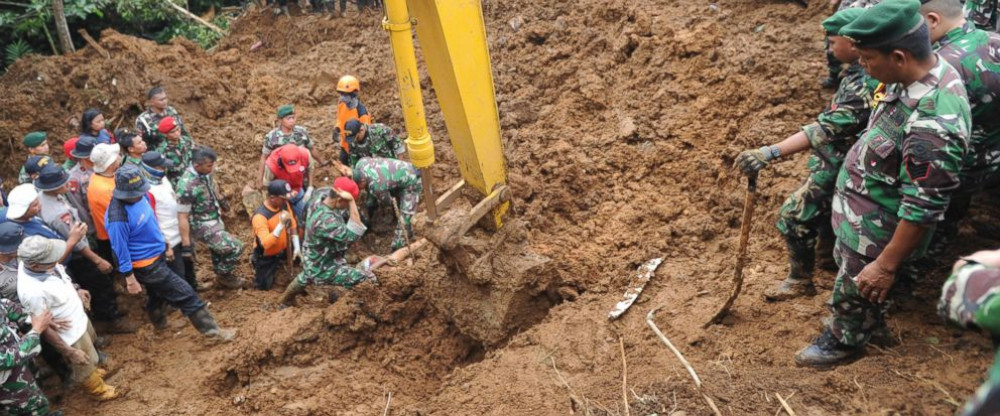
{"x": 40, "y": 250}
{"x": 104, "y": 155}
{"x": 19, "y": 199}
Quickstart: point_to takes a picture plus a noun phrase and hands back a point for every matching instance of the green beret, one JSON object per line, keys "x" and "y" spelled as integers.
{"x": 285, "y": 111}
{"x": 33, "y": 139}
{"x": 885, "y": 22}
{"x": 833, "y": 24}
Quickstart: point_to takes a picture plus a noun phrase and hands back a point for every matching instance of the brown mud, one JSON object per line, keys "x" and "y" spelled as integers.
{"x": 620, "y": 121}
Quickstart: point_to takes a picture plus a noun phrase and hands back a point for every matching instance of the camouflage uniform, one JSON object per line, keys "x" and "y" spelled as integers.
{"x": 148, "y": 122}
{"x": 983, "y": 13}
{"x": 832, "y": 64}
{"x": 198, "y": 195}
{"x": 904, "y": 167}
{"x": 975, "y": 54}
{"x": 180, "y": 154}
{"x": 19, "y": 394}
{"x": 23, "y": 177}
{"x": 969, "y": 299}
{"x": 386, "y": 179}
{"x": 276, "y": 138}
{"x": 329, "y": 233}
{"x": 807, "y": 209}
{"x": 379, "y": 142}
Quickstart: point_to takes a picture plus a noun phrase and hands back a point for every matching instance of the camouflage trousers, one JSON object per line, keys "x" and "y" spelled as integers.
{"x": 854, "y": 318}
{"x": 970, "y": 299}
{"x": 336, "y": 272}
{"x": 20, "y": 394}
{"x": 226, "y": 249}
{"x": 806, "y": 211}
{"x": 407, "y": 198}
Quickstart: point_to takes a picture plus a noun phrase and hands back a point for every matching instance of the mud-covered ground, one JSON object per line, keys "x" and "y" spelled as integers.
{"x": 620, "y": 121}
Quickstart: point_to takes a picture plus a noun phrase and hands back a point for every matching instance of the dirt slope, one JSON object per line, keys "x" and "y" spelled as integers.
{"x": 620, "y": 121}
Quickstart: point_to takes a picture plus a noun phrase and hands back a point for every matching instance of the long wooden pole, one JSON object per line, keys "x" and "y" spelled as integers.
{"x": 195, "y": 17}
{"x": 741, "y": 258}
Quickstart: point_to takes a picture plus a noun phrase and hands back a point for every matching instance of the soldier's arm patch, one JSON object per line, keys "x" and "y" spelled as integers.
{"x": 917, "y": 170}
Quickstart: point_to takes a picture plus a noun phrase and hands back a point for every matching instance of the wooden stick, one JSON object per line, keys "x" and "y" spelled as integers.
{"x": 741, "y": 257}
{"x": 684, "y": 361}
{"x": 389, "y": 399}
{"x": 93, "y": 43}
{"x": 785, "y": 404}
{"x": 194, "y": 17}
{"x": 621, "y": 346}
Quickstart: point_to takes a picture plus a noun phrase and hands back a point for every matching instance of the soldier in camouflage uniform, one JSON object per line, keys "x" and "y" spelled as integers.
{"x": 37, "y": 145}
{"x": 385, "y": 181}
{"x": 198, "y": 206}
{"x": 975, "y": 54}
{"x": 970, "y": 300}
{"x": 983, "y": 13}
{"x": 19, "y": 393}
{"x": 333, "y": 223}
{"x": 897, "y": 179}
{"x": 804, "y": 218}
{"x": 147, "y": 122}
{"x": 835, "y": 66}
{"x": 176, "y": 147}
{"x": 287, "y": 132}
{"x": 375, "y": 140}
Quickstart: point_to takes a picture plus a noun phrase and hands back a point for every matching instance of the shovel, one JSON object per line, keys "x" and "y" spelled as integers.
{"x": 741, "y": 257}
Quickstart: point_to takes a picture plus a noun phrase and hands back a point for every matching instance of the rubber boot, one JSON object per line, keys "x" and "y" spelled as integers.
{"x": 229, "y": 281}
{"x": 158, "y": 316}
{"x": 205, "y": 323}
{"x": 294, "y": 289}
{"x": 801, "y": 261}
{"x": 827, "y": 351}
{"x": 94, "y": 384}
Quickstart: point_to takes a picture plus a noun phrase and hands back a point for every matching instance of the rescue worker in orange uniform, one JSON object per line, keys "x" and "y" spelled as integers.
{"x": 272, "y": 223}
{"x": 348, "y": 107}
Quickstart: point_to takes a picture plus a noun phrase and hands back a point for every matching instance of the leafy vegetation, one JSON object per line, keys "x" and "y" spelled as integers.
{"x": 29, "y": 25}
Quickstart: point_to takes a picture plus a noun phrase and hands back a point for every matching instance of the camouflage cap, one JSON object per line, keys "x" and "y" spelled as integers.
{"x": 885, "y": 22}
{"x": 833, "y": 24}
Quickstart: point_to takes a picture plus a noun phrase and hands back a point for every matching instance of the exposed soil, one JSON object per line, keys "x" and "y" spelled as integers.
{"x": 620, "y": 121}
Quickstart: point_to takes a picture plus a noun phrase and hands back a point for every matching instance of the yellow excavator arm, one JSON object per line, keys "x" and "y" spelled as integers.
{"x": 452, "y": 36}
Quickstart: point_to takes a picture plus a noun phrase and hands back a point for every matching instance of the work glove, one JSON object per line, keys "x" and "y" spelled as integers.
{"x": 752, "y": 161}
{"x": 281, "y": 225}
{"x": 187, "y": 252}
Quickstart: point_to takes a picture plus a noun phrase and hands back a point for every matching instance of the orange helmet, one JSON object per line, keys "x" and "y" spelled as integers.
{"x": 348, "y": 84}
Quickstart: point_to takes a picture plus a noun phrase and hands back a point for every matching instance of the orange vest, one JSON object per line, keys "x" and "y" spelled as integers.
{"x": 344, "y": 114}
{"x": 264, "y": 222}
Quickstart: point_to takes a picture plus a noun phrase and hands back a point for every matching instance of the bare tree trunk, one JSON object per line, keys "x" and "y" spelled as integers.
{"x": 65, "y": 42}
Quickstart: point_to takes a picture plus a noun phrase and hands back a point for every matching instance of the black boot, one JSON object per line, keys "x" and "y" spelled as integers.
{"x": 827, "y": 351}
{"x": 205, "y": 323}
{"x": 801, "y": 262}
{"x": 158, "y": 316}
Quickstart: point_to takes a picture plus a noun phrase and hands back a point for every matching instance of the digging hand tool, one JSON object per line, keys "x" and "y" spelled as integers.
{"x": 741, "y": 257}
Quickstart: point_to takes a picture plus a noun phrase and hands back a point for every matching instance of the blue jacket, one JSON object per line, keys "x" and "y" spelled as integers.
{"x": 134, "y": 232}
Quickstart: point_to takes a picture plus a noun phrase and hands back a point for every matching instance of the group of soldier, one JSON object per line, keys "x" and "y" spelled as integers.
{"x": 910, "y": 136}
{"x": 130, "y": 206}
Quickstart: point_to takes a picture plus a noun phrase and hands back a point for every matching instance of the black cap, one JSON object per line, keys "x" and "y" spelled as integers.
{"x": 154, "y": 159}
{"x": 35, "y": 164}
{"x": 11, "y": 235}
{"x": 352, "y": 127}
{"x": 83, "y": 147}
{"x": 278, "y": 187}
{"x": 51, "y": 177}
{"x": 130, "y": 183}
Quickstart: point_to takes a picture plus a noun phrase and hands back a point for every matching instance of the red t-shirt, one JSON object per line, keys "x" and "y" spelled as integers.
{"x": 289, "y": 163}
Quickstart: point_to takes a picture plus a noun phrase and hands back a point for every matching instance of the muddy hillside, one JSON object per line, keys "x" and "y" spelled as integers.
{"x": 620, "y": 121}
